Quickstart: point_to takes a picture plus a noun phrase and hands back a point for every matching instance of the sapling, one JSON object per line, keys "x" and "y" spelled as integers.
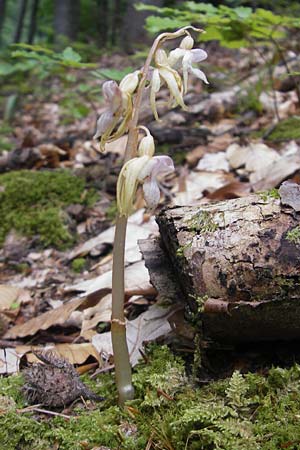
{"x": 140, "y": 167}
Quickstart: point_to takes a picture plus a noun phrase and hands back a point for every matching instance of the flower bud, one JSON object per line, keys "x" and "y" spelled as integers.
{"x": 161, "y": 57}
{"x": 130, "y": 82}
{"x": 146, "y": 146}
{"x": 187, "y": 43}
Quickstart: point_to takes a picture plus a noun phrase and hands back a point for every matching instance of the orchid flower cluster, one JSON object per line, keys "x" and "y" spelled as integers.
{"x": 140, "y": 167}
{"x": 114, "y": 122}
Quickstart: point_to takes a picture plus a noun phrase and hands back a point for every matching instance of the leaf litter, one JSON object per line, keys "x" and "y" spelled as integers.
{"x": 229, "y": 160}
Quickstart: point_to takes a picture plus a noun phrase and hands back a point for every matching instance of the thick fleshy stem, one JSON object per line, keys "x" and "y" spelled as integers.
{"x": 118, "y": 325}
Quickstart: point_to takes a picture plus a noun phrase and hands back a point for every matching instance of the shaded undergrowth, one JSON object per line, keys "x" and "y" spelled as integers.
{"x": 243, "y": 412}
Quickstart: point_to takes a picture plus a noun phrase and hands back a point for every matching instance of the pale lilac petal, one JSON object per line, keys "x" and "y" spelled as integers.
{"x": 199, "y": 74}
{"x": 163, "y": 164}
{"x": 112, "y": 95}
{"x": 198, "y": 55}
{"x": 175, "y": 56}
{"x": 151, "y": 193}
{"x": 103, "y": 123}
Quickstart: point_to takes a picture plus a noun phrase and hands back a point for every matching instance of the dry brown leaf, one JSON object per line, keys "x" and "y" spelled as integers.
{"x": 136, "y": 278}
{"x": 9, "y": 295}
{"x": 235, "y": 189}
{"x": 198, "y": 182}
{"x": 134, "y": 233}
{"x": 53, "y": 317}
{"x": 9, "y": 361}
{"x": 149, "y": 326}
{"x": 272, "y": 175}
{"x": 75, "y": 353}
{"x": 213, "y": 161}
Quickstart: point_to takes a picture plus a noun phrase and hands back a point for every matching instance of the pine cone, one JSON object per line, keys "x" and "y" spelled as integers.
{"x": 55, "y": 383}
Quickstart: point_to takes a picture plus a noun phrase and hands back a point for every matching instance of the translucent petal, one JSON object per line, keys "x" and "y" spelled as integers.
{"x": 172, "y": 79}
{"x": 151, "y": 193}
{"x": 103, "y": 123}
{"x": 198, "y": 55}
{"x": 199, "y": 74}
{"x": 186, "y": 65}
{"x": 155, "y": 86}
{"x": 163, "y": 164}
{"x": 187, "y": 43}
{"x": 175, "y": 56}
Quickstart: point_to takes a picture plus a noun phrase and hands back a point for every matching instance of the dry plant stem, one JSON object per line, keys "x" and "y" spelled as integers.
{"x": 118, "y": 327}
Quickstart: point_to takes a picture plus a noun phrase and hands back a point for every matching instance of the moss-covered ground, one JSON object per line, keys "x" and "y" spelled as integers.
{"x": 32, "y": 202}
{"x": 244, "y": 412}
{"x": 286, "y": 129}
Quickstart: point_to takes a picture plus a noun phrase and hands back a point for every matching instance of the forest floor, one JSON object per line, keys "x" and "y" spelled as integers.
{"x": 57, "y": 208}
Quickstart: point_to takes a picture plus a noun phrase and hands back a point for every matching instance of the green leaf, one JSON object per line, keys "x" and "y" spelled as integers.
{"x": 70, "y": 55}
{"x": 6, "y": 69}
{"x": 156, "y": 24}
{"x": 243, "y": 12}
{"x": 111, "y": 74}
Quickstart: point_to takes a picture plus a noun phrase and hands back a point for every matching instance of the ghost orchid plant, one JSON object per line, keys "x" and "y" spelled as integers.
{"x": 140, "y": 167}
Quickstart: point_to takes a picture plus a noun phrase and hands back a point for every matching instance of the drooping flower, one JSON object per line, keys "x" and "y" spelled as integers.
{"x": 165, "y": 73}
{"x": 188, "y": 56}
{"x": 119, "y": 101}
{"x": 143, "y": 169}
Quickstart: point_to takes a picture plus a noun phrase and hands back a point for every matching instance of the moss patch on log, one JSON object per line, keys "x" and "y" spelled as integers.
{"x": 244, "y": 412}
{"x": 31, "y": 203}
{"x": 294, "y": 235}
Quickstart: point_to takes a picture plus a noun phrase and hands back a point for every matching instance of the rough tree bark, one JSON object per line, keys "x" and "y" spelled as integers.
{"x": 133, "y": 32}
{"x": 32, "y": 24}
{"x": 104, "y": 25}
{"x": 66, "y": 17}
{"x": 20, "y": 21}
{"x": 237, "y": 262}
{"x": 2, "y": 16}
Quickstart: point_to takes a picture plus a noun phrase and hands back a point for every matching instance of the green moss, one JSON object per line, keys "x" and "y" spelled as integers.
{"x": 271, "y": 193}
{"x": 5, "y": 144}
{"x": 243, "y": 412}
{"x": 111, "y": 212}
{"x": 202, "y": 222}
{"x": 31, "y": 203}
{"x": 78, "y": 264}
{"x": 294, "y": 235}
{"x": 286, "y": 130}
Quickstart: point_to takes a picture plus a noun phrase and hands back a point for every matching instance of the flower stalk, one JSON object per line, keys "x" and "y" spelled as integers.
{"x": 140, "y": 167}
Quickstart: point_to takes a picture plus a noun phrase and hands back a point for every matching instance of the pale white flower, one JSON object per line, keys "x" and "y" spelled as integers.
{"x": 119, "y": 101}
{"x": 164, "y": 73}
{"x": 187, "y": 56}
{"x": 141, "y": 170}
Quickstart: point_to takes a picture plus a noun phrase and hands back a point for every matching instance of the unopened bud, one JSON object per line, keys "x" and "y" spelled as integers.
{"x": 187, "y": 43}
{"x": 146, "y": 146}
{"x": 130, "y": 82}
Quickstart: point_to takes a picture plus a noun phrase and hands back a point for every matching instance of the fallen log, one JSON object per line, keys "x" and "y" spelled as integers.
{"x": 235, "y": 264}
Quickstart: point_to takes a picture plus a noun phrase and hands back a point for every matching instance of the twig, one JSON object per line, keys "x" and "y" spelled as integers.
{"x": 43, "y": 411}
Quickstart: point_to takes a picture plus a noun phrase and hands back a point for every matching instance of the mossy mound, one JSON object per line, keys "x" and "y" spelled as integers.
{"x": 286, "y": 130}
{"x": 244, "y": 412}
{"x": 31, "y": 203}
